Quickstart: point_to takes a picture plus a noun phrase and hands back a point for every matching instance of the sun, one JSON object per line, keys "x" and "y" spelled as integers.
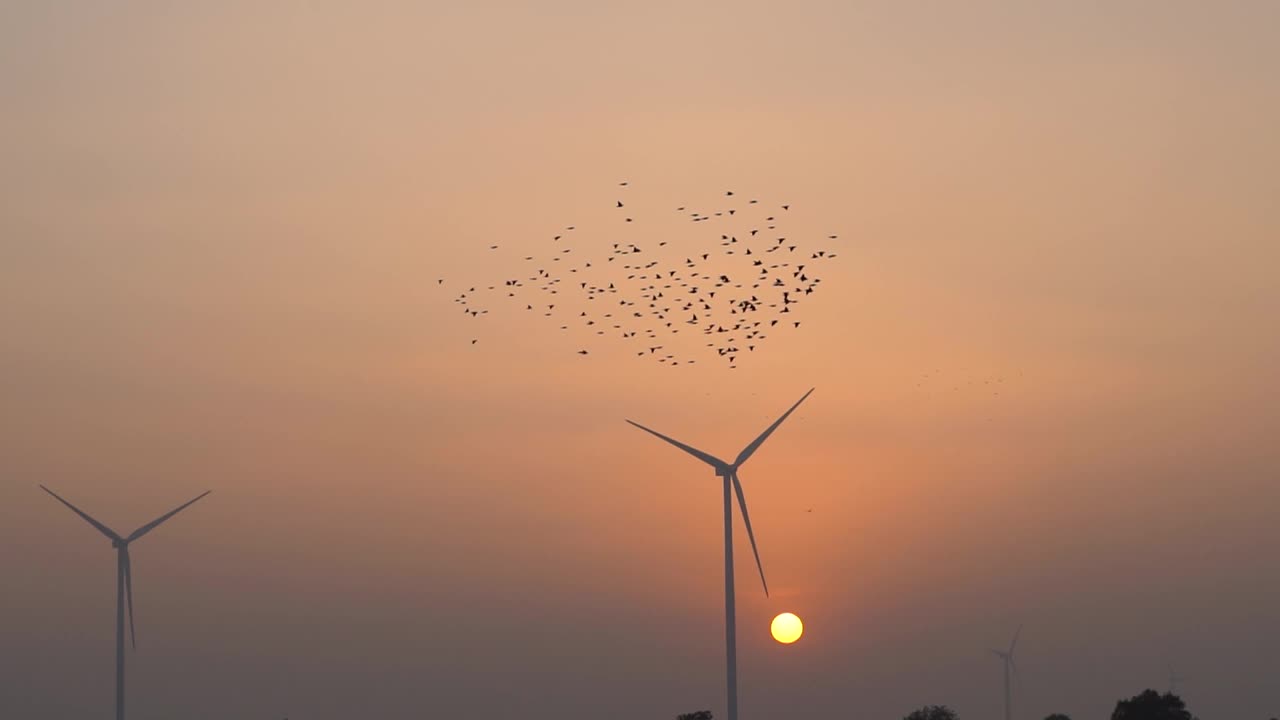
{"x": 786, "y": 628}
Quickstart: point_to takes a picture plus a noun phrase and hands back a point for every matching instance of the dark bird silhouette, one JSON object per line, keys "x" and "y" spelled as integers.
{"x": 651, "y": 282}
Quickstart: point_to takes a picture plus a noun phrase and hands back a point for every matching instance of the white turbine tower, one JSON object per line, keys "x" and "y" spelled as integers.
{"x": 1010, "y": 669}
{"x": 729, "y": 472}
{"x": 124, "y": 582}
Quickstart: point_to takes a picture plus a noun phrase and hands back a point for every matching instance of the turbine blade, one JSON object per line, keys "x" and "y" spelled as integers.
{"x": 755, "y": 444}
{"x": 1014, "y": 644}
{"x": 128, "y": 592}
{"x": 101, "y": 528}
{"x": 746, "y": 520}
{"x": 707, "y": 458}
{"x": 152, "y": 525}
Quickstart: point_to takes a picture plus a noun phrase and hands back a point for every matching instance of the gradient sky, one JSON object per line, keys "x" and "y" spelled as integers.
{"x": 220, "y": 229}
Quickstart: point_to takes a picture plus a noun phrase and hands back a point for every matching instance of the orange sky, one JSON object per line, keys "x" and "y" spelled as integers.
{"x": 220, "y": 231}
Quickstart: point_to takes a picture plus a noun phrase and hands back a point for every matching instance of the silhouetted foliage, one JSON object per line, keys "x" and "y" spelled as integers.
{"x": 1058, "y": 716}
{"x": 700, "y": 715}
{"x": 1151, "y": 705}
{"x": 933, "y": 712}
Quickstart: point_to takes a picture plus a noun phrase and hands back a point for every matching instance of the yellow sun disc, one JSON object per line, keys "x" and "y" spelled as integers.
{"x": 786, "y": 628}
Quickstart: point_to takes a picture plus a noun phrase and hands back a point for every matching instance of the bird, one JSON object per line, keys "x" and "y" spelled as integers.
{"x": 726, "y": 319}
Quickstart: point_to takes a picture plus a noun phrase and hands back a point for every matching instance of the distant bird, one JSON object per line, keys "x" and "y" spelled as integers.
{"x": 582, "y": 352}
{"x": 653, "y": 282}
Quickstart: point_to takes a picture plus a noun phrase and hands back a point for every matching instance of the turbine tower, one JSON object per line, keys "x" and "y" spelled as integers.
{"x": 124, "y": 582}
{"x": 1010, "y": 669}
{"x": 729, "y": 473}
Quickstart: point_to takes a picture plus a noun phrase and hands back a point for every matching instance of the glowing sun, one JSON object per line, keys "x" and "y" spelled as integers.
{"x": 786, "y": 628}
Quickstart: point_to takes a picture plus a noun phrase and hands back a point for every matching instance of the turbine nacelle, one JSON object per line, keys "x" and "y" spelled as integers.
{"x": 729, "y": 471}
{"x": 121, "y": 544}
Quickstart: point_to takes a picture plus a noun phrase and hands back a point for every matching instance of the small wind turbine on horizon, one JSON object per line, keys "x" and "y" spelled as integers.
{"x": 729, "y": 473}
{"x": 1010, "y": 669}
{"x": 124, "y": 581}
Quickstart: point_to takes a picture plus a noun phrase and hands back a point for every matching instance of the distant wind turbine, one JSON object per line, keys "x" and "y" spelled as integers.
{"x": 124, "y": 582}
{"x": 1010, "y": 668}
{"x": 729, "y": 471}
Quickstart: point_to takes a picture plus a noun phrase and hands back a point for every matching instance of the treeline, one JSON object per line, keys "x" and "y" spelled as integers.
{"x": 1147, "y": 705}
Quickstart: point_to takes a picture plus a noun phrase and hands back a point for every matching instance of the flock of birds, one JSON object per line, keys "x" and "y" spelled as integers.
{"x": 738, "y": 282}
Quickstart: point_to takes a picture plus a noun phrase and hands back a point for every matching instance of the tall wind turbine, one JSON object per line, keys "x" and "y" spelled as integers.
{"x": 124, "y": 582}
{"x": 729, "y": 472}
{"x": 1010, "y": 668}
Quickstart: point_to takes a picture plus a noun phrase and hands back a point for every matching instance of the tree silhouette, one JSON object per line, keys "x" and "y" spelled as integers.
{"x": 1151, "y": 705}
{"x": 700, "y": 715}
{"x": 933, "y": 712}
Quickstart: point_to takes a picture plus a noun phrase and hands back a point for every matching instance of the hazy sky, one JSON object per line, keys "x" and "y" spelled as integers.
{"x": 220, "y": 230}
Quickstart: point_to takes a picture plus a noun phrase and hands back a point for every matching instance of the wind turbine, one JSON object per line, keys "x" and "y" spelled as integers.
{"x": 1010, "y": 668}
{"x": 729, "y": 472}
{"x": 124, "y": 582}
